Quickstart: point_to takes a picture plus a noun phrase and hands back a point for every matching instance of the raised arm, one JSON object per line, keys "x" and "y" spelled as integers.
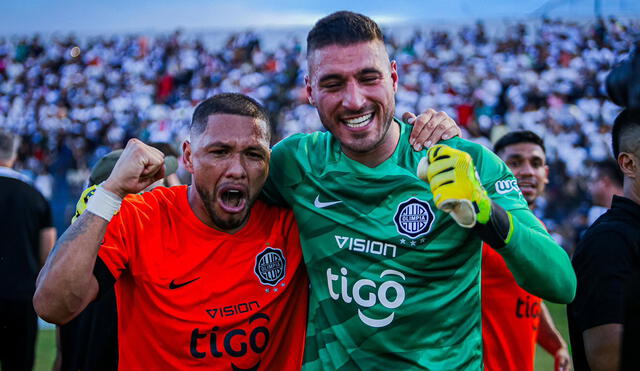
{"x": 537, "y": 262}
{"x": 66, "y": 284}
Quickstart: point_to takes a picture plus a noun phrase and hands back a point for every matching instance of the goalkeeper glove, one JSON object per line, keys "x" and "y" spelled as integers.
{"x": 81, "y": 206}
{"x": 457, "y": 190}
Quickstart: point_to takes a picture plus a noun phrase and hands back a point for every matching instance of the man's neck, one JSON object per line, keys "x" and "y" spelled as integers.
{"x": 631, "y": 189}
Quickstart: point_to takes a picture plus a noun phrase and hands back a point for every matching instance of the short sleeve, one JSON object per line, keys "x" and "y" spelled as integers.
{"x": 46, "y": 219}
{"x": 602, "y": 266}
{"x": 114, "y": 252}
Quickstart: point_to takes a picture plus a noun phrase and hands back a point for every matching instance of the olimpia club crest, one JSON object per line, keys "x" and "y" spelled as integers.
{"x": 413, "y": 218}
{"x": 270, "y": 266}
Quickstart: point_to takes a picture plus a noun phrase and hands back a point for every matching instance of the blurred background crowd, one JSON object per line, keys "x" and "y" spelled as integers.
{"x": 72, "y": 100}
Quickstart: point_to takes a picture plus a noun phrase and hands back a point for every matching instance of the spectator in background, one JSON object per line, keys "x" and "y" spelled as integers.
{"x": 514, "y": 321}
{"x": 605, "y": 182}
{"x": 27, "y": 238}
{"x": 605, "y": 260}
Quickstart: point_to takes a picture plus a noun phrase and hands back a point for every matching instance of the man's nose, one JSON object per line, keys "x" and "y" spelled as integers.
{"x": 526, "y": 170}
{"x": 236, "y": 167}
{"x": 353, "y": 99}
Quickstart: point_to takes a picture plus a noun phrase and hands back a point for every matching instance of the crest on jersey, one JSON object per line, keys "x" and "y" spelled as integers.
{"x": 270, "y": 266}
{"x": 413, "y": 218}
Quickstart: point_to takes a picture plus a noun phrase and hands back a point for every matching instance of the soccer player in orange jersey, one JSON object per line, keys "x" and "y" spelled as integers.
{"x": 206, "y": 276}
{"x": 513, "y": 320}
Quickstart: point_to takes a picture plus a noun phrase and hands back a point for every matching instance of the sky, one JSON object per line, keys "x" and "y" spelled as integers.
{"x": 91, "y": 16}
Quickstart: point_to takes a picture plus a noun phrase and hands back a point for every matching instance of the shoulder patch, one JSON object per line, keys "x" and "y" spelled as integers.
{"x": 506, "y": 186}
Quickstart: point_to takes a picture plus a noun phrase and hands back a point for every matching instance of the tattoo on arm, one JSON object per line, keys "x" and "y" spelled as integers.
{"x": 78, "y": 229}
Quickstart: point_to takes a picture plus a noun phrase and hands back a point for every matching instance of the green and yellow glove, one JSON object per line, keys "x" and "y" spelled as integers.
{"x": 457, "y": 190}
{"x": 81, "y": 205}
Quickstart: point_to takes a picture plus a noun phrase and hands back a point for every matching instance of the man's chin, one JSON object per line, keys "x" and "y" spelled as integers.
{"x": 228, "y": 221}
{"x": 229, "y": 224}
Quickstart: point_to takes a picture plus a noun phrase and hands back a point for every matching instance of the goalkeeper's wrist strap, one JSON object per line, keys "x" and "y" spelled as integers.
{"x": 498, "y": 230}
{"x": 104, "y": 204}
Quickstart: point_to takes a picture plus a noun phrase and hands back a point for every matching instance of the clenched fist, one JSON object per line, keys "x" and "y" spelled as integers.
{"x": 138, "y": 167}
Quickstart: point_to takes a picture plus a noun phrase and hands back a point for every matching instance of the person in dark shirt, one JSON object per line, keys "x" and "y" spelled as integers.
{"x": 27, "y": 237}
{"x": 606, "y": 262}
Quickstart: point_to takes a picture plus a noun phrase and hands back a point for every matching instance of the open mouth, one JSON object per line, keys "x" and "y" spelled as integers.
{"x": 232, "y": 200}
{"x": 358, "y": 122}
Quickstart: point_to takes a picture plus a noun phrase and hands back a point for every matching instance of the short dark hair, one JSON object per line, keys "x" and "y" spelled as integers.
{"x": 520, "y": 136}
{"x": 231, "y": 104}
{"x": 611, "y": 170}
{"x": 8, "y": 145}
{"x": 342, "y": 28}
{"x": 625, "y": 135}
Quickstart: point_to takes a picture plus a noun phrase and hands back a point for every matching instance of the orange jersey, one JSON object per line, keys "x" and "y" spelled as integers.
{"x": 510, "y": 317}
{"x": 189, "y": 296}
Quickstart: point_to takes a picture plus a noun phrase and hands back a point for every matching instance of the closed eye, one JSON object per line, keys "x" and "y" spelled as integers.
{"x": 218, "y": 151}
{"x": 256, "y": 155}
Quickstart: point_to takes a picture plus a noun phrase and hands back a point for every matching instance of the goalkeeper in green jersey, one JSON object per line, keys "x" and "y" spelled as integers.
{"x": 393, "y": 259}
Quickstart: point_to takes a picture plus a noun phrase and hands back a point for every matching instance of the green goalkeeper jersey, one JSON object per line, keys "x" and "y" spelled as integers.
{"x": 395, "y": 282}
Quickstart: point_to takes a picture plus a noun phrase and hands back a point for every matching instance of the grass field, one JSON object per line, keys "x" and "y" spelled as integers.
{"x": 46, "y": 349}
{"x": 544, "y": 362}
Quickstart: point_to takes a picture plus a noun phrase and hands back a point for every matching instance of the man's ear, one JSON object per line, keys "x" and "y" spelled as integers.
{"x": 628, "y": 163}
{"x": 394, "y": 75}
{"x": 307, "y": 84}
{"x": 546, "y": 172}
{"x": 187, "y": 156}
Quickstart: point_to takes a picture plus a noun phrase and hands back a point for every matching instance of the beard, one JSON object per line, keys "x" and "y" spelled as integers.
{"x": 225, "y": 224}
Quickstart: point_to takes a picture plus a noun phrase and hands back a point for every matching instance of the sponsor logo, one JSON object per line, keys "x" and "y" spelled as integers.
{"x": 506, "y": 186}
{"x": 236, "y": 342}
{"x": 270, "y": 266}
{"x": 232, "y": 310}
{"x": 413, "y": 218}
{"x": 173, "y": 285}
{"x": 366, "y": 293}
{"x": 321, "y": 205}
{"x": 366, "y": 246}
{"x": 527, "y": 309}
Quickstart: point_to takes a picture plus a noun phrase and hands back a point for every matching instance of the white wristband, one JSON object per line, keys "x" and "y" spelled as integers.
{"x": 104, "y": 204}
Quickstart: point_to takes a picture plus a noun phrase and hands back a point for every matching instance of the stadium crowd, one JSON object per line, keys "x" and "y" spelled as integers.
{"x": 73, "y": 100}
